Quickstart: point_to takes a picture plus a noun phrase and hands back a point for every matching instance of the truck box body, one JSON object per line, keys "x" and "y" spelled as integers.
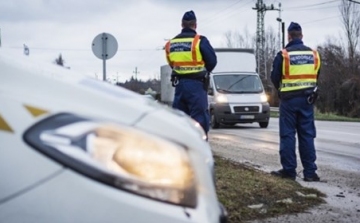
{"x": 234, "y": 59}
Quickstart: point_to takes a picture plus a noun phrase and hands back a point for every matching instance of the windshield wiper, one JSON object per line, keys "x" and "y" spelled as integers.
{"x": 223, "y": 90}
{"x": 238, "y": 81}
{"x": 246, "y": 92}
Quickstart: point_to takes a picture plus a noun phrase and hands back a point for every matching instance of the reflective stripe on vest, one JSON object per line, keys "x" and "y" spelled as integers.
{"x": 183, "y": 54}
{"x": 300, "y": 69}
{"x": 305, "y": 84}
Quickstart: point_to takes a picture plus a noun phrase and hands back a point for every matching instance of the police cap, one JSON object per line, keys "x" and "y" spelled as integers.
{"x": 294, "y": 27}
{"x": 188, "y": 16}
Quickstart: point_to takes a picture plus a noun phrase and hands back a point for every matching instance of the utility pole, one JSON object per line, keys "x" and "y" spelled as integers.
{"x": 279, "y": 32}
{"x": 261, "y": 8}
{"x": 136, "y": 72}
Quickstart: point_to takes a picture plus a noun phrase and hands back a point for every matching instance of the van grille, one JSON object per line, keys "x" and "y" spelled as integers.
{"x": 245, "y": 109}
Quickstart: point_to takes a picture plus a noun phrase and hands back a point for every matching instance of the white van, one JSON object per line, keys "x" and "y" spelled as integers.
{"x": 236, "y": 94}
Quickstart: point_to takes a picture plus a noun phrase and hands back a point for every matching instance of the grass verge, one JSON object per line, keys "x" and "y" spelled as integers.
{"x": 333, "y": 117}
{"x": 239, "y": 186}
{"x": 325, "y": 117}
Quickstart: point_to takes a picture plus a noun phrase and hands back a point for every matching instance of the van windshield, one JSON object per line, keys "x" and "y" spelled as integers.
{"x": 238, "y": 83}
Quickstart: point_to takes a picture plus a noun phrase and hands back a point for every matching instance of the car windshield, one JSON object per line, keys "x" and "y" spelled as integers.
{"x": 238, "y": 83}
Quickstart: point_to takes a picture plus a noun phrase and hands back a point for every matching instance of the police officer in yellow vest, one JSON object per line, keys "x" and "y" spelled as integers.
{"x": 191, "y": 58}
{"x": 295, "y": 74}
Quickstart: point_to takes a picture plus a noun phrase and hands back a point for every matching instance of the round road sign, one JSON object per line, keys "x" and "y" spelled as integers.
{"x": 104, "y": 46}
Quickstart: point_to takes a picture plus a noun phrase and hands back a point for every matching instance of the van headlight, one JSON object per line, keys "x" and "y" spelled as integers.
{"x": 120, "y": 156}
{"x": 263, "y": 97}
{"x": 221, "y": 98}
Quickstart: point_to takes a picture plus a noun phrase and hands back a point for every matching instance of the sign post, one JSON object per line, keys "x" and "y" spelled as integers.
{"x": 104, "y": 46}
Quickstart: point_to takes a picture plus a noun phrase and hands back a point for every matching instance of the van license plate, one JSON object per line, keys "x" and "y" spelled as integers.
{"x": 247, "y": 117}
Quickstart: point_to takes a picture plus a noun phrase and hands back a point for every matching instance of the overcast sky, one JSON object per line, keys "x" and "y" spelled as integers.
{"x": 51, "y": 27}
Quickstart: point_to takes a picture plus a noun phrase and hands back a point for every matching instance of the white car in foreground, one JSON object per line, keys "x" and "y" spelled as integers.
{"x": 75, "y": 149}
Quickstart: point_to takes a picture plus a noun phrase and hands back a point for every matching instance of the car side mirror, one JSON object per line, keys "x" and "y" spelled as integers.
{"x": 210, "y": 91}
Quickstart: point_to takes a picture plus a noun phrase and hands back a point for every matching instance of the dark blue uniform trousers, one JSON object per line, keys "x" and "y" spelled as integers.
{"x": 296, "y": 115}
{"x": 191, "y": 98}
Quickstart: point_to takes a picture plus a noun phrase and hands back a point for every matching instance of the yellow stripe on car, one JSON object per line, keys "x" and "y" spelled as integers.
{"x": 34, "y": 111}
{"x": 4, "y": 126}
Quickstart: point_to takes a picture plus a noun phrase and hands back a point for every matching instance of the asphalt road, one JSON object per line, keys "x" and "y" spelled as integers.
{"x": 338, "y": 160}
{"x": 339, "y": 140}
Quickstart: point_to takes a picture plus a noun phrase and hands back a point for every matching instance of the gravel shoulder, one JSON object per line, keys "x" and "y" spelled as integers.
{"x": 341, "y": 184}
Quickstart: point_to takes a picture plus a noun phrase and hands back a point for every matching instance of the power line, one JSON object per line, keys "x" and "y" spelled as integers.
{"x": 319, "y": 8}
{"x": 74, "y": 49}
{"x": 318, "y": 20}
{"x": 312, "y": 5}
{"x": 224, "y": 9}
{"x": 149, "y": 59}
{"x": 327, "y": 18}
{"x": 332, "y": 17}
{"x": 227, "y": 15}
{"x": 211, "y": 19}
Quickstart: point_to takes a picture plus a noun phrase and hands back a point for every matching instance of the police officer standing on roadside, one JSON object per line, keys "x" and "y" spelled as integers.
{"x": 295, "y": 74}
{"x": 191, "y": 58}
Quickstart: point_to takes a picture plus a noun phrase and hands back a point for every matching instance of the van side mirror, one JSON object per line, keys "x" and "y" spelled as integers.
{"x": 210, "y": 91}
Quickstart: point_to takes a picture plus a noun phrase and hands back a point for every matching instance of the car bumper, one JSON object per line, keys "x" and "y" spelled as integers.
{"x": 226, "y": 115}
{"x": 71, "y": 197}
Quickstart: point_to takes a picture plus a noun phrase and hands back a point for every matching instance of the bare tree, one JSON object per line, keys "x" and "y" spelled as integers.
{"x": 339, "y": 87}
{"x": 344, "y": 86}
{"x": 271, "y": 49}
{"x": 60, "y": 61}
{"x": 350, "y": 17}
{"x": 332, "y": 74}
{"x": 235, "y": 39}
{"x": 229, "y": 39}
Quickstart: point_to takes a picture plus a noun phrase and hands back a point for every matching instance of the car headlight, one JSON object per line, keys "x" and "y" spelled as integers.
{"x": 221, "y": 98}
{"x": 119, "y": 156}
{"x": 263, "y": 98}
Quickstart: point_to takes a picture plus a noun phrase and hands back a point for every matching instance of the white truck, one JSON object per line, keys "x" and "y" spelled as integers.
{"x": 236, "y": 94}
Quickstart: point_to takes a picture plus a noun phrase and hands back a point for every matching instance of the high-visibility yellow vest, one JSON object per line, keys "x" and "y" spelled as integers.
{"x": 299, "y": 69}
{"x": 184, "y": 55}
